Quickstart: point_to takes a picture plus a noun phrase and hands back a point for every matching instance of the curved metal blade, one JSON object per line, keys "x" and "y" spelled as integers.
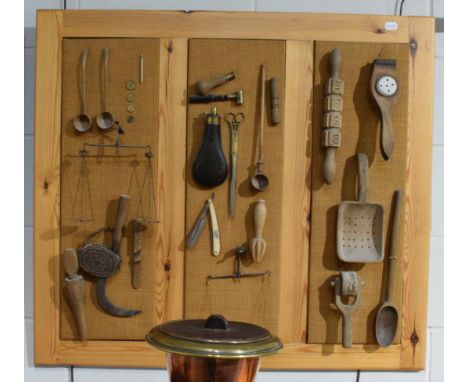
{"x": 107, "y": 305}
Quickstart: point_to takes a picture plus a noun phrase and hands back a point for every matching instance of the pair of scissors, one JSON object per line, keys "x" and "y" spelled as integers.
{"x": 234, "y": 121}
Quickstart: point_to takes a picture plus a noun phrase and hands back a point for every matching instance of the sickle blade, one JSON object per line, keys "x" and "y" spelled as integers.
{"x": 107, "y": 305}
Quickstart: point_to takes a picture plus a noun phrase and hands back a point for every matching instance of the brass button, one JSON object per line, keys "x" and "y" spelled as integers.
{"x": 130, "y": 108}
{"x": 130, "y": 97}
{"x": 130, "y": 118}
{"x": 131, "y": 85}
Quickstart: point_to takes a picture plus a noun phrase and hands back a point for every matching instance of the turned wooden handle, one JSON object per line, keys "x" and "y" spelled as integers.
{"x": 363, "y": 181}
{"x": 260, "y": 214}
{"x": 75, "y": 292}
{"x": 392, "y": 258}
{"x": 70, "y": 261}
{"x": 214, "y": 229}
{"x": 120, "y": 220}
{"x": 329, "y": 165}
{"x": 335, "y": 63}
{"x": 204, "y": 87}
{"x": 274, "y": 101}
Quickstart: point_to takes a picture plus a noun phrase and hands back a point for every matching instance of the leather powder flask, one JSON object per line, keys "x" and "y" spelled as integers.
{"x": 210, "y": 167}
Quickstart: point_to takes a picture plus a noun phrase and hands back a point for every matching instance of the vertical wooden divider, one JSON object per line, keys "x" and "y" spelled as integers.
{"x": 296, "y": 192}
{"x": 418, "y": 194}
{"x": 47, "y": 186}
{"x": 171, "y": 191}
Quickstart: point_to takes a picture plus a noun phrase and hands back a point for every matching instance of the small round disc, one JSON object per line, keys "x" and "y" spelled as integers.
{"x": 130, "y": 85}
{"x": 386, "y": 86}
{"x": 98, "y": 260}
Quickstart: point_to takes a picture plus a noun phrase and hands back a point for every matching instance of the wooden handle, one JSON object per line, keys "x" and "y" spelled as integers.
{"x": 106, "y": 53}
{"x": 329, "y": 165}
{"x": 120, "y": 220}
{"x": 137, "y": 239}
{"x": 274, "y": 101}
{"x": 381, "y": 69}
{"x": 392, "y": 258}
{"x": 363, "y": 185}
{"x": 214, "y": 229}
{"x": 260, "y": 214}
{"x": 84, "y": 60}
{"x": 204, "y": 87}
{"x": 335, "y": 63}
{"x": 75, "y": 293}
{"x": 70, "y": 261}
{"x": 262, "y": 112}
{"x": 347, "y": 326}
{"x": 387, "y": 133}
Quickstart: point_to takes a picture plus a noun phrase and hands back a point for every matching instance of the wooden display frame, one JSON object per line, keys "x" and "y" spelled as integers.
{"x": 174, "y": 29}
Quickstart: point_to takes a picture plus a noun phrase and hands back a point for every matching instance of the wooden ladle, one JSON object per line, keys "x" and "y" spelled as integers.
{"x": 82, "y": 122}
{"x": 386, "y": 323}
{"x": 259, "y": 180}
{"x": 105, "y": 120}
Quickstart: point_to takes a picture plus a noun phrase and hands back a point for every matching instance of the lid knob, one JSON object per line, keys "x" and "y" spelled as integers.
{"x": 216, "y": 321}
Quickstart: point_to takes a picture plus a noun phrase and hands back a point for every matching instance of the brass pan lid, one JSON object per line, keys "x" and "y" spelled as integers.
{"x": 214, "y": 337}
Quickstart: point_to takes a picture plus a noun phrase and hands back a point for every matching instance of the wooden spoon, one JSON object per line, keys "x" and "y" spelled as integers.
{"x": 386, "y": 323}
{"x": 82, "y": 122}
{"x": 105, "y": 120}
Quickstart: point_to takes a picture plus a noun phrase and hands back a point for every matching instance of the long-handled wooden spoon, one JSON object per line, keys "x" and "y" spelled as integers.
{"x": 105, "y": 120}
{"x": 82, "y": 122}
{"x": 386, "y": 323}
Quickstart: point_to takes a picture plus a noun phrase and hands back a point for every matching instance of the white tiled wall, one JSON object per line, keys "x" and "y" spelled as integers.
{"x": 434, "y": 372}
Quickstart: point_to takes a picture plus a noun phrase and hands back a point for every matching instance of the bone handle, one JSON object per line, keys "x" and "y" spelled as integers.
{"x": 392, "y": 258}
{"x": 74, "y": 290}
{"x": 214, "y": 229}
{"x": 120, "y": 220}
{"x": 347, "y": 330}
{"x": 274, "y": 101}
{"x": 70, "y": 261}
{"x": 260, "y": 213}
{"x": 204, "y": 87}
{"x": 84, "y": 60}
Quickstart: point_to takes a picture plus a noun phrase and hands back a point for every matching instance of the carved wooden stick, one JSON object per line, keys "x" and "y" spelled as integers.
{"x": 333, "y": 105}
{"x": 74, "y": 290}
{"x": 137, "y": 237}
{"x": 274, "y": 101}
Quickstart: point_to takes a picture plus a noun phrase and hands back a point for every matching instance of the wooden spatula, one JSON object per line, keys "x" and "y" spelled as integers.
{"x": 258, "y": 243}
